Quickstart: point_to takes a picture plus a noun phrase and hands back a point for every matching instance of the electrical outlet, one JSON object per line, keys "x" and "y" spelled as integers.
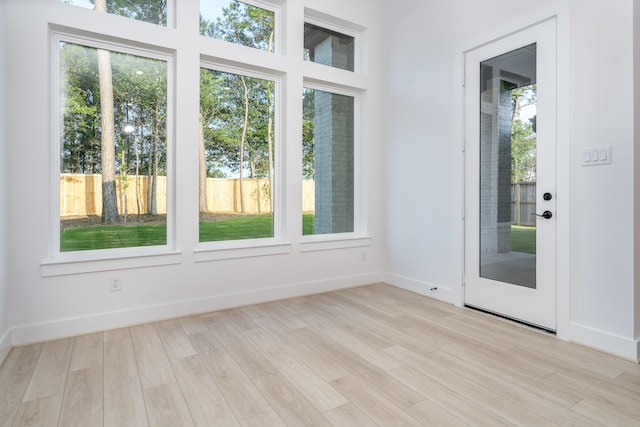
{"x": 115, "y": 283}
{"x": 363, "y": 256}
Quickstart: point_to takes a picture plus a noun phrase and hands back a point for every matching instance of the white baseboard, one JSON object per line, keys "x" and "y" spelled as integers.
{"x": 438, "y": 292}
{"x": 604, "y": 341}
{"x": 620, "y": 346}
{"x": 5, "y": 346}
{"x": 104, "y": 321}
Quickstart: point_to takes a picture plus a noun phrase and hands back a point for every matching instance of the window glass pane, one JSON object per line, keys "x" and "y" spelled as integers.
{"x": 237, "y": 22}
{"x": 113, "y": 190}
{"x": 152, "y": 11}
{"x": 236, "y": 156}
{"x": 508, "y": 167}
{"x": 328, "y": 47}
{"x": 327, "y": 163}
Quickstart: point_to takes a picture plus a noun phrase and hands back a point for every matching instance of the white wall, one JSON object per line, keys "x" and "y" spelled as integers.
{"x": 62, "y": 305}
{"x": 5, "y": 343}
{"x": 603, "y": 198}
{"x": 596, "y": 243}
{"x": 636, "y": 187}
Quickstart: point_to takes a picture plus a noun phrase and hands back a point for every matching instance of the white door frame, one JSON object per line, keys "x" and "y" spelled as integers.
{"x": 561, "y": 13}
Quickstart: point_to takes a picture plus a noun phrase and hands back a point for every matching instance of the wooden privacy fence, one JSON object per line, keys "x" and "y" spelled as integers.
{"x": 81, "y": 195}
{"x": 523, "y": 203}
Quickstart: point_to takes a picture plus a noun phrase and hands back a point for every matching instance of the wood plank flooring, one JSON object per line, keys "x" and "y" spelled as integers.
{"x": 369, "y": 356}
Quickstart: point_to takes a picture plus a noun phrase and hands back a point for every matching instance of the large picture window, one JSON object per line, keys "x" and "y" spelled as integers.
{"x": 113, "y": 148}
{"x": 237, "y": 146}
{"x": 328, "y": 162}
{"x": 122, "y": 98}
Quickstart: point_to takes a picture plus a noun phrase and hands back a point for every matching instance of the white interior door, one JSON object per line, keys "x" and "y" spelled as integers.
{"x": 510, "y": 173}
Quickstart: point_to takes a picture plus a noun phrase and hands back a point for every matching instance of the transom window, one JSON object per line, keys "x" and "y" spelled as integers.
{"x": 328, "y": 47}
{"x": 151, "y": 11}
{"x": 238, "y": 22}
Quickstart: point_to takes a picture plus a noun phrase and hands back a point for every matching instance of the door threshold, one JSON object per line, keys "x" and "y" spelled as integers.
{"x": 511, "y": 319}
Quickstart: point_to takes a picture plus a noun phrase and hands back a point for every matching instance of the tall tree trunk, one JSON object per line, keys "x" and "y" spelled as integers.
{"x": 154, "y": 184}
{"x": 203, "y": 169}
{"x": 270, "y": 148}
{"x": 135, "y": 147}
{"x": 124, "y": 184}
{"x": 515, "y": 113}
{"x": 252, "y": 171}
{"x": 270, "y": 107}
{"x": 149, "y": 174}
{"x": 109, "y": 192}
{"x": 243, "y": 139}
{"x": 154, "y": 149}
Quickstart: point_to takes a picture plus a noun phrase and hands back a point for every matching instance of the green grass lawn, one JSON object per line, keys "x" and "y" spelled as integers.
{"x": 121, "y": 236}
{"x": 250, "y": 227}
{"x": 112, "y": 236}
{"x": 523, "y": 239}
{"x": 308, "y": 224}
{"x": 246, "y": 227}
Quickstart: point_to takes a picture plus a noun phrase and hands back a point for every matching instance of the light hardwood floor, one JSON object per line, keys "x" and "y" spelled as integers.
{"x": 374, "y": 355}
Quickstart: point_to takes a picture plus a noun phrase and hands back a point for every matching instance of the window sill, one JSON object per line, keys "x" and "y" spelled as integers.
{"x": 93, "y": 261}
{"x": 333, "y": 241}
{"x": 239, "y": 249}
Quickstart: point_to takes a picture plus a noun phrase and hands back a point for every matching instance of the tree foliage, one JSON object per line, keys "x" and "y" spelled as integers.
{"x": 242, "y": 24}
{"x": 151, "y": 11}
{"x": 238, "y": 111}
{"x": 308, "y": 128}
{"x": 523, "y": 137}
{"x": 523, "y": 152}
{"x": 139, "y": 99}
{"x": 139, "y": 87}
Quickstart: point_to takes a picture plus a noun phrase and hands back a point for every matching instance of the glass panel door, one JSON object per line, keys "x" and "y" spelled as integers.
{"x": 510, "y": 176}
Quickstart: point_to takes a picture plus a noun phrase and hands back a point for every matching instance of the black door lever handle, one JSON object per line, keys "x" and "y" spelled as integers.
{"x": 545, "y": 214}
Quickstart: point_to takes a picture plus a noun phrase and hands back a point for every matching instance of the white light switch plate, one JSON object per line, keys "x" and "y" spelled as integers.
{"x": 596, "y": 156}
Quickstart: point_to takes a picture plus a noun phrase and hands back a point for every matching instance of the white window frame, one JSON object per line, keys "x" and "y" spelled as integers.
{"x": 350, "y": 83}
{"x": 277, "y": 23}
{"x": 341, "y": 26}
{"x": 358, "y": 237}
{"x": 287, "y": 69}
{"x": 231, "y": 249}
{"x": 72, "y": 262}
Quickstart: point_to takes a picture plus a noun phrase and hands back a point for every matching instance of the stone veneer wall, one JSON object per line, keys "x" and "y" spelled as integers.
{"x": 333, "y": 137}
{"x": 495, "y": 167}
